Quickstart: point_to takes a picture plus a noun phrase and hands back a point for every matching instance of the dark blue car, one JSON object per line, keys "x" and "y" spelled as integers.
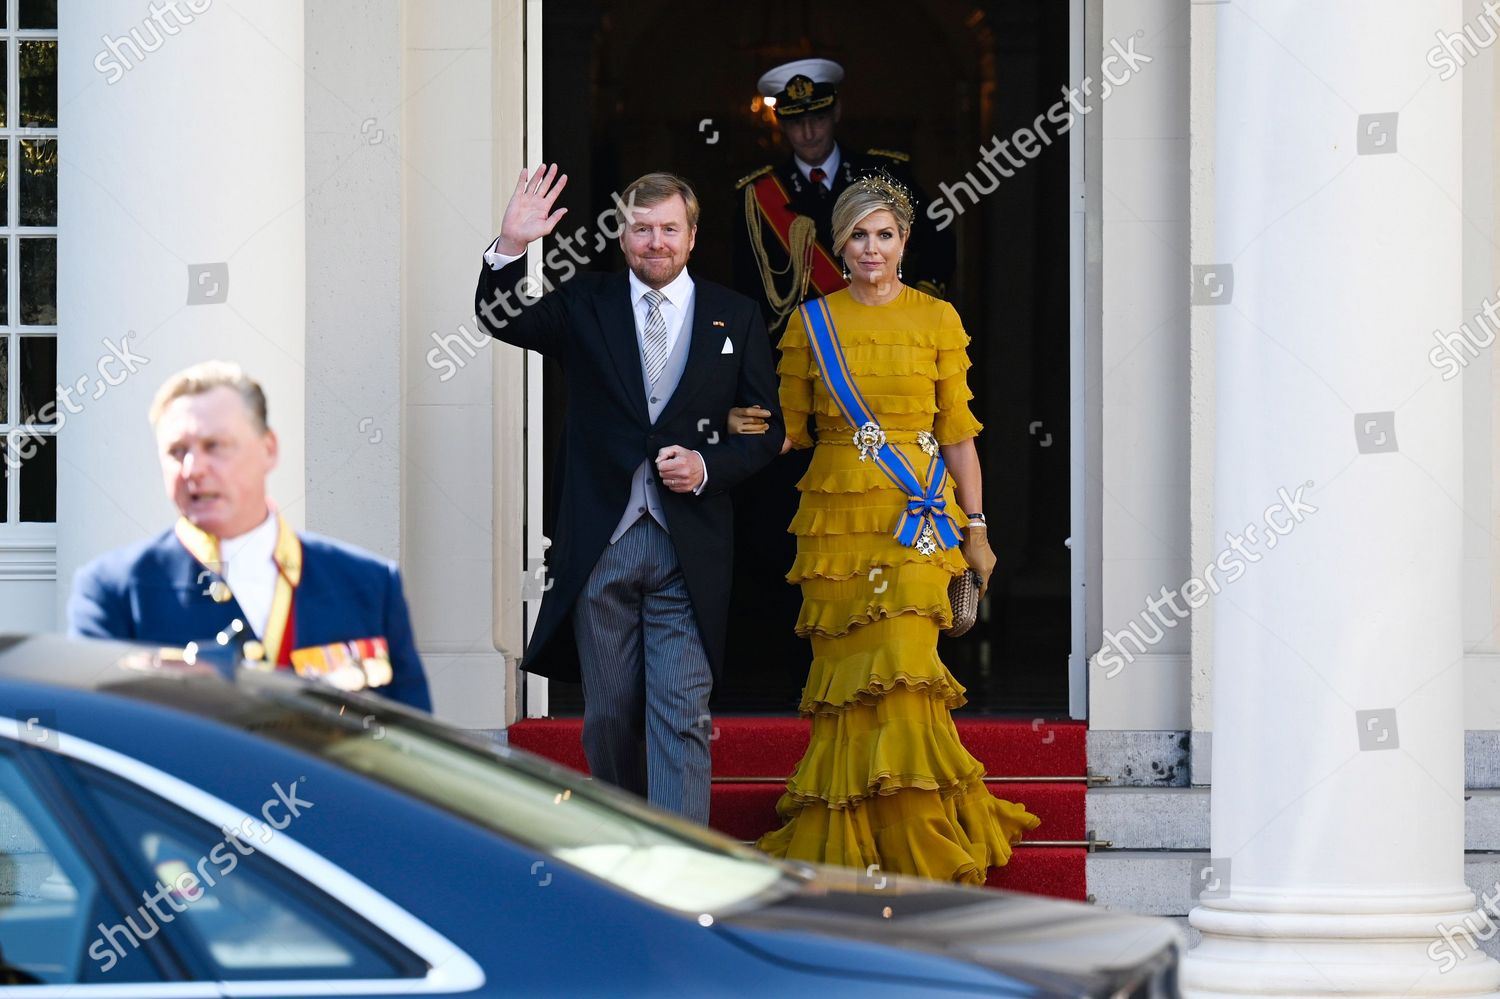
{"x": 176, "y": 829}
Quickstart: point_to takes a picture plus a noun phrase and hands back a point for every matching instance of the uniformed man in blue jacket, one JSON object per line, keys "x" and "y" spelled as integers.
{"x": 233, "y": 566}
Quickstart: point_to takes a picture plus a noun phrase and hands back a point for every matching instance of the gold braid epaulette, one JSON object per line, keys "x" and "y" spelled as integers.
{"x": 890, "y": 154}
{"x": 745, "y": 180}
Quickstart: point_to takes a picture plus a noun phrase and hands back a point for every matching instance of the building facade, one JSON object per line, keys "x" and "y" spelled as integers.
{"x": 1281, "y": 276}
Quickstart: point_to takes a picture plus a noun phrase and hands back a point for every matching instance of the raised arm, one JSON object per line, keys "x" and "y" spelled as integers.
{"x": 500, "y": 300}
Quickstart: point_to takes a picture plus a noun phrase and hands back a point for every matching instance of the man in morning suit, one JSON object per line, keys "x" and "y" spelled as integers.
{"x": 232, "y": 565}
{"x": 640, "y": 567}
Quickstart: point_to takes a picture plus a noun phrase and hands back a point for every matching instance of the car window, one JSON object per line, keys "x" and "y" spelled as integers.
{"x": 557, "y": 812}
{"x": 230, "y": 909}
{"x": 53, "y": 916}
{"x": 562, "y": 816}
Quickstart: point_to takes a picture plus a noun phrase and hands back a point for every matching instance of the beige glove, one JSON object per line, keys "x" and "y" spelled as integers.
{"x": 976, "y": 552}
{"x": 749, "y": 420}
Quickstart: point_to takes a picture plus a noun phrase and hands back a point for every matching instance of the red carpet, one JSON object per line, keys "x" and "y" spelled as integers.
{"x": 769, "y": 747}
{"x": 744, "y": 811}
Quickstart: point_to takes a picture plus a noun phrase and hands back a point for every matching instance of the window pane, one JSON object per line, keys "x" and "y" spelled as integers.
{"x": 260, "y": 923}
{"x": 37, "y": 14}
{"x": 38, "y": 64}
{"x": 50, "y": 893}
{"x": 38, "y": 379}
{"x": 5, "y": 147}
{"x": 4, "y": 280}
{"x": 39, "y": 282}
{"x": 4, "y": 381}
{"x": 38, "y": 473}
{"x": 38, "y": 182}
{"x": 4, "y": 75}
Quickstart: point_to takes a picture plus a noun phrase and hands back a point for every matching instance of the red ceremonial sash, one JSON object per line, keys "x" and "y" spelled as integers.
{"x": 772, "y": 197}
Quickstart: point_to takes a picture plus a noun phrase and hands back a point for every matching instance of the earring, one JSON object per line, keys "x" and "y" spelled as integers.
{"x": 846, "y": 270}
{"x": 898, "y": 266}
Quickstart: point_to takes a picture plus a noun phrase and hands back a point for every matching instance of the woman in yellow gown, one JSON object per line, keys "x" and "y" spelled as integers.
{"x": 885, "y": 780}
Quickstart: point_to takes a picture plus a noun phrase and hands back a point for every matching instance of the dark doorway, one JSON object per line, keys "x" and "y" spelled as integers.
{"x": 670, "y": 84}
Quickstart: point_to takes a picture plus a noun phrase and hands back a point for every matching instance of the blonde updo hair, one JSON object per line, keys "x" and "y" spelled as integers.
{"x": 862, "y": 199}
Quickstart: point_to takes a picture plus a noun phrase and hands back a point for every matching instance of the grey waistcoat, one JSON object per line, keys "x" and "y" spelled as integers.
{"x": 644, "y": 483}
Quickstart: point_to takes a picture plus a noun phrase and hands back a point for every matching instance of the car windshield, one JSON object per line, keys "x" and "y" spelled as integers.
{"x": 557, "y": 811}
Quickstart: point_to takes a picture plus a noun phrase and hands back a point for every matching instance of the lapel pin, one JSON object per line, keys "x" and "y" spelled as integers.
{"x": 719, "y": 322}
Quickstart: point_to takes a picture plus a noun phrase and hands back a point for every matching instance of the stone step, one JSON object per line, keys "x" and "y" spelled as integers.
{"x": 1149, "y": 818}
{"x": 1176, "y": 818}
{"x": 1166, "y": 882}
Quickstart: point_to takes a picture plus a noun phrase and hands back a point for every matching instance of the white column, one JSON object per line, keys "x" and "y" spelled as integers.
{"x": 1139, "y": 678}
{"x": 464, "y": 403}
{"x": 1338, "y": 709}
{"x": 181, "y": 182}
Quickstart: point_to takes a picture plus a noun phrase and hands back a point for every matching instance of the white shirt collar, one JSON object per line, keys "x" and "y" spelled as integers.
{"x": 830, "y": 166}
{"x": 250, "y": 570}
{"x": 259, "y": 540}
{"x": 677, "y": 291}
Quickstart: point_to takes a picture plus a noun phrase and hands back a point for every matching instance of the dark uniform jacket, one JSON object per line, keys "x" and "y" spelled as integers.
{"x": 153, "y": 592}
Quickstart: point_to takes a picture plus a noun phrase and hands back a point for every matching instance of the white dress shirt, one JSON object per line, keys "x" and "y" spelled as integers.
{"x": 250, "y": 570}
{"x": 830, "y": 166}
{"x": 496, "y": 259}
{"x": 672, "y": 310}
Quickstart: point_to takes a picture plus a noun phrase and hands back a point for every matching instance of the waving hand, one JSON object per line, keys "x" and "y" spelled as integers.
{"x": 529, "y": 214}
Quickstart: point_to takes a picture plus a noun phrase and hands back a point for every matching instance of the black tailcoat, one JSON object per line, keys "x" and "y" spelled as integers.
{"x": 588, "y": 326}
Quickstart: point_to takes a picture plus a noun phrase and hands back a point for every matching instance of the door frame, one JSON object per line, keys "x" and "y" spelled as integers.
{"x": 1084, "y": 337}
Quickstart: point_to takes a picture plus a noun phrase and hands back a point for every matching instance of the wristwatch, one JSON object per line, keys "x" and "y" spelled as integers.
{"x": 977, "y": 518}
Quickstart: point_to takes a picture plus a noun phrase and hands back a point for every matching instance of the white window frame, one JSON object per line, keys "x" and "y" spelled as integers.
{"x": 28, "y": 551}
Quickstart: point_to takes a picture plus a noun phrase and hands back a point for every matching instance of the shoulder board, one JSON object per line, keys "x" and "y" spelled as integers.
{"x": 747, "y": 179}
{"x": 890, "y": 154}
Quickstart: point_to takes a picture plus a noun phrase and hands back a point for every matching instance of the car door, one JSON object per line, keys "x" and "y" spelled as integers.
{"x": 55, "y": 889}
{"x": 159, "y": 894}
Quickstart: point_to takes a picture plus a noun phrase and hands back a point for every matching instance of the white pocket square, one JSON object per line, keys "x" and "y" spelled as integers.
{"x": 728, "y": 346}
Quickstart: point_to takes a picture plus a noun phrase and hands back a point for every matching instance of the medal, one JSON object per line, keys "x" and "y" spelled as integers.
{"x": 346, "y": 676}
{"x": 377, "y": 671}
{"x": 925, "y": 543}
{"x": 869, "y": 439}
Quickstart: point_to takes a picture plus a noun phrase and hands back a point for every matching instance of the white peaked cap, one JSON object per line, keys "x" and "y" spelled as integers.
{"x": 774, "y": 81}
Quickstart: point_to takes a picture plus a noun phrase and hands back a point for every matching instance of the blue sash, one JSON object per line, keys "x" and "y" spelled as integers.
{"x": 925, "y": 522}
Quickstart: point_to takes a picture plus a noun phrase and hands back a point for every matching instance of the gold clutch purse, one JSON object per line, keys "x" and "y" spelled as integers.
{"x": 963, "y": 595}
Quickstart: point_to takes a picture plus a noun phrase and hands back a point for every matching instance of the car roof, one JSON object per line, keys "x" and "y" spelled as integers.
{"x": 87, "y": 664}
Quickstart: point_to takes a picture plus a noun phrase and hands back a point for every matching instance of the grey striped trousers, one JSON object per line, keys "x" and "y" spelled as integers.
{"x": 646, "y": 677}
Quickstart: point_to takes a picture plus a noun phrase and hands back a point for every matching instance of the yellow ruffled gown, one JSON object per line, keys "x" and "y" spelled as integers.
{"x": 885, "y": 779}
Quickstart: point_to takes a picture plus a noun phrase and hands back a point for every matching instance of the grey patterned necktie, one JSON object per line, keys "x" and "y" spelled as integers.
{"x": 654, "y": 342}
